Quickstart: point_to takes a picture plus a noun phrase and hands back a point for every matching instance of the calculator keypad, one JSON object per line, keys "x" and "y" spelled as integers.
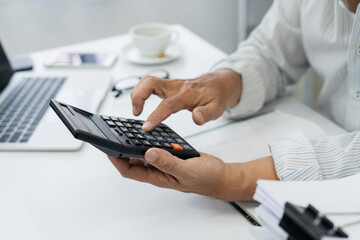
{"x": 161, "y": 137}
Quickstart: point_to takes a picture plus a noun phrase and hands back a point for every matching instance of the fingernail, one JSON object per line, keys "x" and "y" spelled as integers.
{"x": 135, "y": 111}
{"x": 146, "y": 126}
{"x": 151, "y": 157}
{"x": 201, "y": 117}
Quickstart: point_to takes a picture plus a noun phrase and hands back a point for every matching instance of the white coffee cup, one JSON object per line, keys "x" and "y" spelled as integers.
{"x": 151, "y": 39}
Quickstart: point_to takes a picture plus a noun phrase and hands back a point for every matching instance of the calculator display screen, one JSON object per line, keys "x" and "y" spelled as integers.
{"x": 91, "y": 125}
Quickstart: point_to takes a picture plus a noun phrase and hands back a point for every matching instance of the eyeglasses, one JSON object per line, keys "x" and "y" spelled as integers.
{"x": 126, "y": 84}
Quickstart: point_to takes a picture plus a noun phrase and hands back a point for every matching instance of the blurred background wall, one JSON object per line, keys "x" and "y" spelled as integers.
{"x": 30, "y": 25}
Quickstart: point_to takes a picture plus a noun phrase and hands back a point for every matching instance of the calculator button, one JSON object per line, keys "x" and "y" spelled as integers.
{"x": 137, "y": 125}
{"x": 123, "y": 119}
{"x": 110, "y": 123}
{"x": 139, "y": 136}
{"x": 139, "y": 121}
{"x": 174, "y": 135}
{"x": 136, "y": 142}
{"x": 169, "y": 139}
{"x": 124, "y": 129}
{"x": 119, "y": 124}
{"x": 167, "y": 145}
{"x": 131, "y": 120}
{"x": 156, "y": 144}
{"x": 159, "y": 129}
{"x": 186, "y": 147}
{"x": 155, "y": 133}
{"x": 143, "y": 132}
{"x": 166, "y": 129}
{"x": 164, "y": 134}
{"x": 105, "y": 117}
{"x": 179, "y": 140}
{"x": 134, "y": 130}
{"x": 146, "y": 142}
{"x": 127, "y": 124}
{"x": 149, "y": 137}
{"x": 129, "y": 134}
{"x": 114, "y": 118}
{"x": 176, "y": 146}
{"x": 160, "y": 139}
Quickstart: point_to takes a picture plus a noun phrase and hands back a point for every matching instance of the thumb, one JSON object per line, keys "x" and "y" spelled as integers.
{"x": 164, "y": 161}
{"x": 203, "y": 114}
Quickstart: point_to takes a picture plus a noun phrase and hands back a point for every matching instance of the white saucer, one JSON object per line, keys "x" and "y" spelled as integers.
{"x": 131, "y": 54}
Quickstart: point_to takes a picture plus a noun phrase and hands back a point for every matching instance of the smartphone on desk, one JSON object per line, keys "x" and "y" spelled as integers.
{"x": 79, "y": 60}
{"x": 120, "y": 137}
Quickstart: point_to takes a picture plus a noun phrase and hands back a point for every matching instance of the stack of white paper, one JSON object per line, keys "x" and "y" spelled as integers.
{"x": 331, "y": 196}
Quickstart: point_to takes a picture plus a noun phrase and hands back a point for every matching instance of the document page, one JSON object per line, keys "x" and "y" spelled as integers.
{"x": 338, "y": 199}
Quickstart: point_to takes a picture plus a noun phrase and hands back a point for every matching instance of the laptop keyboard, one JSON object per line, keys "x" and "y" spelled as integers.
{"x": 23, "y": 108}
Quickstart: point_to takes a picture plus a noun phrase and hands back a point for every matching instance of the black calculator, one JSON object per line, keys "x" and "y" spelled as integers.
{"x": 120, "y": 137}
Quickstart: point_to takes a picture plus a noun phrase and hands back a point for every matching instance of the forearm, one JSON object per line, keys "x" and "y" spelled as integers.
{"x": 240, "y": 178}
{"x": 266, "y": 62}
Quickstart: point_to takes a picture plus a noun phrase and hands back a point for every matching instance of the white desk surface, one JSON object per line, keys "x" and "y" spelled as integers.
{"x": 80, "y": 195}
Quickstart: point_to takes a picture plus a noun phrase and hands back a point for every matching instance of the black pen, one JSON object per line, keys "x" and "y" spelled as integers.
{"x": 248, "y": 216}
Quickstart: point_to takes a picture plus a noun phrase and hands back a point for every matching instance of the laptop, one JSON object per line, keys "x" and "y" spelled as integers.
{"x": 26, "y": 121}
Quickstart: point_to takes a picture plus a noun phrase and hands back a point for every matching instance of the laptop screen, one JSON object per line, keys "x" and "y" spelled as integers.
{"x": 5, "y": 69}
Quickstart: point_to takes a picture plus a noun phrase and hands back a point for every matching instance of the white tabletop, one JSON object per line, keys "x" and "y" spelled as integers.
{"x": 80, "y": 195}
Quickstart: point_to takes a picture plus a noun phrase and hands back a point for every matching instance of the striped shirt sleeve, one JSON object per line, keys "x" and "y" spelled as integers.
{"x": 272, "y": 57}
{"x": 298, "y": 159}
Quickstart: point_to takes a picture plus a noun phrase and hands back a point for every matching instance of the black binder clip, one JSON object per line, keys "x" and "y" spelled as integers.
{"x": 307, "y": 223}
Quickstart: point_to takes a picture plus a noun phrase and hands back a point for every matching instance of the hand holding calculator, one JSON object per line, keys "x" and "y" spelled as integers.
{"x": 120, "y": 137}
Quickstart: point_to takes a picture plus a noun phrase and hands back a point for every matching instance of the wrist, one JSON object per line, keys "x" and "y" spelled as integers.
{"x": 232, "y": 85}
{"x": 233, "y": 184}
{"x": 239, "y": 180}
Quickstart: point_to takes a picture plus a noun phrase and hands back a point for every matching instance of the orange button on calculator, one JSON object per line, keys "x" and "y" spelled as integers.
{"x": 177, "y": 146}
